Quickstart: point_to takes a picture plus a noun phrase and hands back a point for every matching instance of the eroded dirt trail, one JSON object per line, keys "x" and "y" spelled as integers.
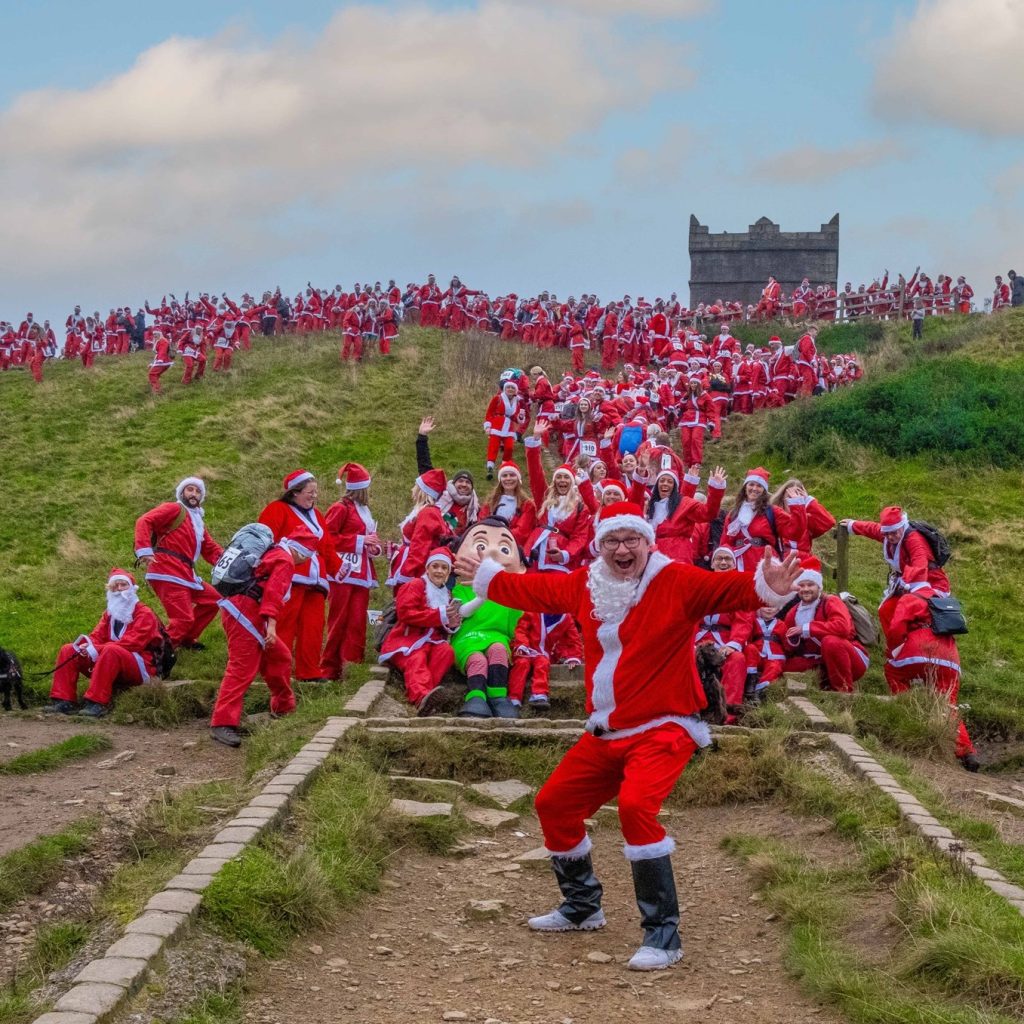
{"x": 411, "y": 954}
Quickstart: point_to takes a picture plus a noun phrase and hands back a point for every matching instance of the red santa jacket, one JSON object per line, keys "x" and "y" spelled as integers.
{"x": 142, "y": 637}
{"x": 521, "y": 522}
{"x": 283, "y": 517}
{"x": 914, "y": 645}
{"x": 420, "y": 535}
{"x": 547, "y": 636}
{"x": 910, "y": 560}
{"x": 726, "y": 629}
{"x": 640, "y": 672}
{"x": 505, "y": 416}
{"x": 348, "y": 525}
{"x": 817, "y": 521}
{"x": 696, "y": 410}
{"x": 768, "y": 637}
{"x": 556, "y": 542}
{"x": 419, "y": 621}
{"x": 273, "y": 575}
{"x": 830, "y": 619}
{"x": 175, "y": 537}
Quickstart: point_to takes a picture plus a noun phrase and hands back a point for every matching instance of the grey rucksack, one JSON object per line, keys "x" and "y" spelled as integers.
{"x": 234, "y": 572}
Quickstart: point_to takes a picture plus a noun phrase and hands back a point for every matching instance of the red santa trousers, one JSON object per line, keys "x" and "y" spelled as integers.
{"x": 36, "y": 367}
{"x": 189, "y": 612}
{"x": 806, "y": 385}
{"x": 506, "y": 445}
{"x": 734, "y": 677}
{"x": 933, "y": 660}
{"x": 609, "y": 352}
{"x": 578, "y": 359}
{"x": 245, "y": 659}
{"x": 222, "y": 358}
{"x": 534, "y": 669}
{"x": 352, "y": 347}
{"x": 767, "y": 669}
{"x": 639, "y": 770}
{"x": 424, "y": 669}
{"x": 301, "y": 628}
{"x": 693, "y": 445}
{"x": 114, "y": 664}
{"x": 346, "y": 627}
{"x": 190, "y": 362}
{"x": 155, "y": 374}
{"x": 840, "y": 663}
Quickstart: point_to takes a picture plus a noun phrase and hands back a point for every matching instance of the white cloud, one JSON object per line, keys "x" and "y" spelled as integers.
{"x": 656, "y": 166}
{"x": 653, "y": 9}
{"x": 200, "y": 148}
{"x": 811, "y": 165}
{"x": 957, "y": 62}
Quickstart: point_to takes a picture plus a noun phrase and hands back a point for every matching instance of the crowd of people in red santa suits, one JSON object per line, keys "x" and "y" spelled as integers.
{"x": 368, "y": 318}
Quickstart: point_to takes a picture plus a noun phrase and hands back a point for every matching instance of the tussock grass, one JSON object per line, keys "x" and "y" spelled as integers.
{"x": 215, "y": 1008}
{"x": 46, "y": 759}
{"x": 163, "y": 707}
{"x": 54, "y": 945}
{"x": 31, "y": 869}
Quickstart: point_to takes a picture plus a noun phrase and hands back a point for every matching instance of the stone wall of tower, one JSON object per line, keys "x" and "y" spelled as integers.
{"x": 736, "y": 265}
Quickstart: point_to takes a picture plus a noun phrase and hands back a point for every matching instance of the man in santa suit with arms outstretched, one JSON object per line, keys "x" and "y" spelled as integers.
{"x": 639, "y": 611}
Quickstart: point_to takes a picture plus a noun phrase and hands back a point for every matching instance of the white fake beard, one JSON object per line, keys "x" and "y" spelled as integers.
{"x": 437, "y": 597}
{"x": 121, "y": 604}
{"x": 612, "y": 597}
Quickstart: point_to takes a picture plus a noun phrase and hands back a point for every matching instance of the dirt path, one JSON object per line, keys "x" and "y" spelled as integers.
{"x": 410, "y": 954}
{"x": 35, "y": 805}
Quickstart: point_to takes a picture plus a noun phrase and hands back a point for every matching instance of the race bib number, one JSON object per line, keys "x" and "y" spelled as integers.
{"x": 588, "y": 448}
{"x": 666, "y": 462}
{"x": 352, "y": 561}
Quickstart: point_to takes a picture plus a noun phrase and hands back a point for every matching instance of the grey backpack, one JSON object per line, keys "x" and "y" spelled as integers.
{"x": 233, "y": 573}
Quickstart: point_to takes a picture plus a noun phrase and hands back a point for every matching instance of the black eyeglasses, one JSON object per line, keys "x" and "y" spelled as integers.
{"x": 611, "y": 543}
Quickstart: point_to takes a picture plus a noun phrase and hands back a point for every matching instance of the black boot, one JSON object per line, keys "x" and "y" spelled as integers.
{"x": 476, "y": 705}
{"x": 750, "y": 688}
{"x": 655, "y": 887}
{"x": 581, "y": 892}
{"x": 497, "y": 692}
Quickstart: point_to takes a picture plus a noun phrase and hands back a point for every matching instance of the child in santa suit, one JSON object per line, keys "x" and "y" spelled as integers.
{"x": 766, "y": 652}
{"x": 418, "y": 645}
{"x": 353, "y": 533}
{"x": 919, "y": 655}
{"x": 250, "y": 623}
{"x": 538, "y": 640}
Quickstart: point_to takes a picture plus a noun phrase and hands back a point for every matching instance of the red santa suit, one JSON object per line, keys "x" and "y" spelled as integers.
{"x": 921, "y": 656}
{"x": 349, "y": 524}
{"x": 301, "y": 624}
{"x": 642, "y": 690}
{"x": 696, "y": 417}
{"x": 163, "y": 360}
{"x": 910, "y": 562}
{"x": 351, "y": 331}
{"x": 806, "y": 358}
{"x": 505, "y": 417}
{"x": 817, "y": 521}
{"x": 749, "y": 532}
{"x": 521, "y": 517}
{"x": 418, "y": 645}
{"x": 560, "y": 537}
{"x": 1001, "y": 296}
{"x": 963, "y": 294}
{"x": 118, "y": 650}
{"x": 766, "y": 650}
{"x": 244, "y": 617}
{"x": 430, "y": 304}
{"x": 175, "y": 538}
{"x": 538, "y": 640}
{"x": 422, "y": 531}
{"x": 729, "y": 631}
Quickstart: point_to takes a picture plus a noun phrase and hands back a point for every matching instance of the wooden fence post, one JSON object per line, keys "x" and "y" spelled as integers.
{"x": 842, "y": 569}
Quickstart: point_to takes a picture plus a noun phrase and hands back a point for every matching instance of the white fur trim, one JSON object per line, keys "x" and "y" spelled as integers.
{"x": 486, "y": 572}
{"x": 353, "y": 487}
{"x": 579, "y": 851}
{"x": 719, "y": 484}
{"x": 810, "y": 576}
{"x": 765, "y": 592}
{"x": 754, "y": 479}
{"x": 634, "y": 523}
{"x": 469, "y": 608}
{"x": 428, "y": 491}
{"x": 190, "y": 480}
{"x": 649, "y": 851}
{"x": 439, "y": 557}
{"x": 120, "y": 577}
{"x": 300, "y": 480}
{"x": 898, "y": 526}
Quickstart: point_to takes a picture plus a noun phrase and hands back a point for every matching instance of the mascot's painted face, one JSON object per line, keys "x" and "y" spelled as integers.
{"x": 491, "y": 538}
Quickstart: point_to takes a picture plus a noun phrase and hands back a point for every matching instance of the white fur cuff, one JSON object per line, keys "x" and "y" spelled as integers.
{"x": 765, "y": 592}
{"x": 580, "y": 850}
{"x": 488, "y": 569}
{"x": 650, "y": 851}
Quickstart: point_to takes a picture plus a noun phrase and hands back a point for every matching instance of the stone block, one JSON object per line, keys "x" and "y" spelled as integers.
{"x": 93, "y": 998}
{"x": 419, "y": 809}
{"x": 220, "y": 851}
{"x": 488, "y": 817}
{"x": 175, "y": 901}
{"x": 279, "y": 790}
{"x": 164, "y": 925}
{"x": 125, "y": 972}
{"x": 190, "y": 883}
{"x": 538, "y": 859}
{"x": 66, "y": 1018}
{"x": 136, "y": 947}
{"x": 236, "y": 835}
{"x": 1006, "y": 890}
{"x": 273, "y": 800}
{"x": 935, "y": 832}
{"x": 503, "y": 793}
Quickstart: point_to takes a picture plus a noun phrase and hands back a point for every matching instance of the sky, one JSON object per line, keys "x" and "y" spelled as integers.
{"x": 522, "y": 144}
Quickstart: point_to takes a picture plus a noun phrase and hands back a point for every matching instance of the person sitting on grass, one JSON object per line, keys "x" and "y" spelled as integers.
{"x": 122, "y": 649}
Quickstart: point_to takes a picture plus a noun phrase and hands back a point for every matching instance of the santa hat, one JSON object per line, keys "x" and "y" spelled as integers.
{"x": 811, "y": 572}
{"x": 302, "y": 541}
{"x": 296, "y": 479}
{"x": 623, "y": 515}
{"x": 440, "y": 555}
{"x": 893, "y": 519}
{"x": 613, "y": 485}
{"x": 564, "y": 468}
{"x": 774, "y": 340}
{"x": 510, "y": 467}
{"x": 724, "y": 550}
{"x": 757, "y": 476}
{"x": 669, "y": 473}
{"x": 196, "y": 482}
{"x": 353, "y": 476}
{"x": 120, "y": 576}
{"x": 432, "y": 483}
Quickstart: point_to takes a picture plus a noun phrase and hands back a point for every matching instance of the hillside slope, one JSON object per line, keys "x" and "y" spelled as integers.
{"x": 86, "y": 453}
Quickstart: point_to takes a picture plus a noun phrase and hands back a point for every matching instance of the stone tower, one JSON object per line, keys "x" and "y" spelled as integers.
{"x": 736, "y": 265}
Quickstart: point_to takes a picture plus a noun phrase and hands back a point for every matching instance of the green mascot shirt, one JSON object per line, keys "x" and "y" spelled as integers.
{"x": 490, "y": 624}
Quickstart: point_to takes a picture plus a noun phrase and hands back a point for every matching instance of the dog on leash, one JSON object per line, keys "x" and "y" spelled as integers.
{"x": 11, "y": 680}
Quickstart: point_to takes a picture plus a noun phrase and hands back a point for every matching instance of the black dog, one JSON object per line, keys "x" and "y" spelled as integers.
{"x": 11, "y": 680}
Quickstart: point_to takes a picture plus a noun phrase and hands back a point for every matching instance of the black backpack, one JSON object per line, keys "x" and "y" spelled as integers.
{"x": 947, "y": 616}
{"x": 164, "y": 653}
{"x": 387, "y": 621}
{"x": 941, "y": 551}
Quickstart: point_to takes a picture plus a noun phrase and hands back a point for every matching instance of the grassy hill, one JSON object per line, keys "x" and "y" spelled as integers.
{"x": 934, "y": 426}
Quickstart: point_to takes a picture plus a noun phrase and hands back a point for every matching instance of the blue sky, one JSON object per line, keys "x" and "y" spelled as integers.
{"x": 521, "y": 144}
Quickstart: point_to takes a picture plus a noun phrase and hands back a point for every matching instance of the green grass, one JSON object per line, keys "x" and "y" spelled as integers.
{"x": 215, "y": 1008}
{"x": 32, "y": 868}
{"x": 54, "y": 945}
{"x": 46, "y": 759}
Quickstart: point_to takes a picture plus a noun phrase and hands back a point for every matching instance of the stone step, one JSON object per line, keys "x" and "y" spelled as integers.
{"x": 420, "y": 809}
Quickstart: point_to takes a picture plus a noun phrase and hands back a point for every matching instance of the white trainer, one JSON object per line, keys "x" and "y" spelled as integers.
{"x": 556, "y": 921}
{"x": 647, "y": 958}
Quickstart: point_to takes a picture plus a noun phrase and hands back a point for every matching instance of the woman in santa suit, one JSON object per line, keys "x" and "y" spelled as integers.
{"x": 509, "y": 501}
{"x": 301, "y": 623}
{"x": 559, "y": 540}
{"x": 674, "y": 512}
{"x": 753, "y": 525}
{"x": 423, "y": 529}
{"x": 353, "y": 534}
{"x": 818, "y": 519}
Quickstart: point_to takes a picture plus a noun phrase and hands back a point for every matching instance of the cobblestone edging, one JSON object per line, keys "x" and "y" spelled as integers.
{"x": 911, "y": 810}
{"x": 104, "y": 985}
